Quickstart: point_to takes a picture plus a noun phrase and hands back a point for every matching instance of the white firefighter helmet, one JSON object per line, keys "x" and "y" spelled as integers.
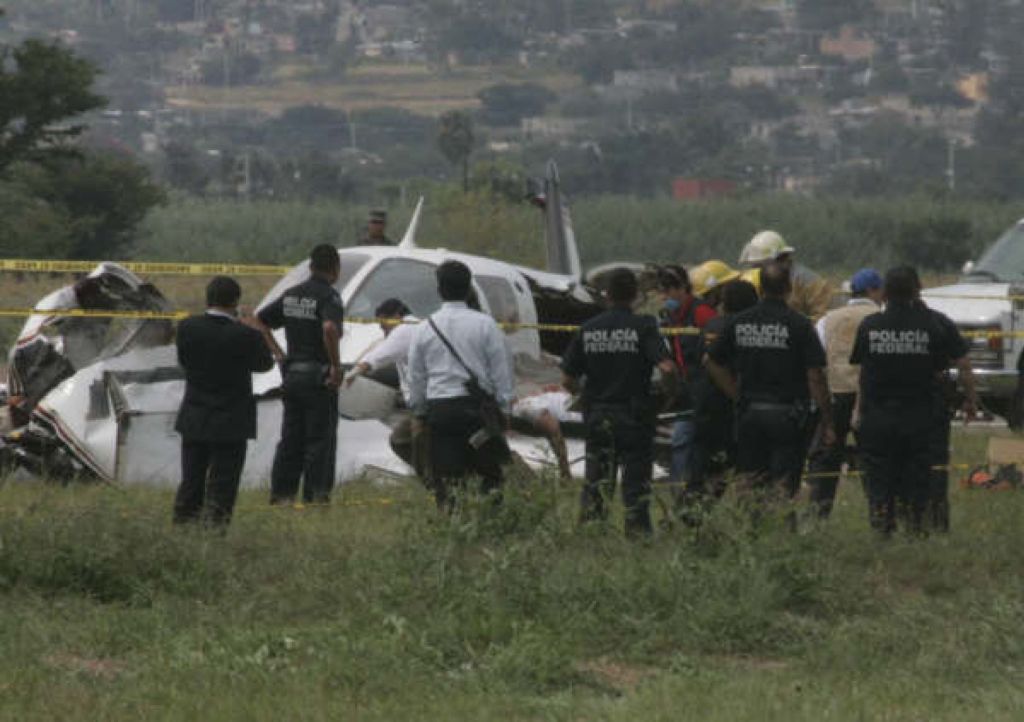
{"x": 765, "y": 246}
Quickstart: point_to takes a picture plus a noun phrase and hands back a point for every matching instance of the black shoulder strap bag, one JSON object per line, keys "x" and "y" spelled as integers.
{"x": 491, "y": 416}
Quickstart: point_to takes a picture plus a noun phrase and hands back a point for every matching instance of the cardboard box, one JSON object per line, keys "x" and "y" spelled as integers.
{"x": 1006, "y": 450}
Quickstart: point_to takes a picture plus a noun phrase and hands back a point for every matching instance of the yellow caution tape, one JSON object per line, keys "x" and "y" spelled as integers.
{"x": 965, "y": 296}
{"x": 25, "y": 265}
{"x": 512, "y": 326}
{"x": 549, "y": 327}
{"x": 32, "y": 265}
{"x": 89, "y": 313}
{"x": 811, "y": 476}
{"x": 992, "y": 334}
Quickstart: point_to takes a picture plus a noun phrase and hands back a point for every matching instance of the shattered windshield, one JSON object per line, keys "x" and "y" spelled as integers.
{"x": 412, "y": 282}
{"x": 1004, "y": 260}
{"x": 351, "y": 264}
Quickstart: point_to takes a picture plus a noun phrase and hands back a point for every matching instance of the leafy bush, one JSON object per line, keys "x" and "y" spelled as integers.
{"x": 833, "y": 235}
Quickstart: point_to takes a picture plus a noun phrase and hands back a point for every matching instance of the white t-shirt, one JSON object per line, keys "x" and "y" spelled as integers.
{"x": 555, "y": 403}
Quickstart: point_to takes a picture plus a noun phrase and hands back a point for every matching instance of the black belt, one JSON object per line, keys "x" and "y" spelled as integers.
{"x": 305, "y": 366}
{"x": 450, "y": 401}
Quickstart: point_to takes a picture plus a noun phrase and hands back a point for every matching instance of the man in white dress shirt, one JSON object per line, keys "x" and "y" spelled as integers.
{"x": 399, "y": 327}
{"x": 460, "y": 345}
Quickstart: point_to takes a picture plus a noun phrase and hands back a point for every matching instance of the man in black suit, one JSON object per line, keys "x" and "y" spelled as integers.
{"x": 218, "y": 414}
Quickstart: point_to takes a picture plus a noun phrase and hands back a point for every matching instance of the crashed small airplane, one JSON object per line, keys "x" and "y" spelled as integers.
{"x": 97, "y": 397}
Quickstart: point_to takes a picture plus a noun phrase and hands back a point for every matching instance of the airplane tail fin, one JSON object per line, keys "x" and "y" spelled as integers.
{"x": 563, "y": 256}
{"x": 409, "y": 239}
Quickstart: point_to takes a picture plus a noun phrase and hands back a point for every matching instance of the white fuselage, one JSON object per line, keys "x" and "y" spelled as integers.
{"x": 121, "y": 425}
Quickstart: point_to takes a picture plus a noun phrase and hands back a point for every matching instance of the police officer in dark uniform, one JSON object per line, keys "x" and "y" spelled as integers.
{"x": 311, "y": 314}
{"x": 770, "y": 360}
{"x": 615, "y": 353}
{"x": 375, "y": 235}
{"x": 715, "y": 443}
{"x": 900, "y": 351}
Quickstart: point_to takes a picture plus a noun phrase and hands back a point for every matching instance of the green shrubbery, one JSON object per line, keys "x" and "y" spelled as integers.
{"x": 831, "y": 234}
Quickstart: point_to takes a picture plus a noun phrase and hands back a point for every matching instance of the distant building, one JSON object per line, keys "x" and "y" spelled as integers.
{"x": 974, "y": 87}
{"x": 285, "y": 43}
{"x": 150, "y": 143}
{"x": 406, "y": 51}
{"x": 774, "y": 76}
{"x": 657, "y": 28}
{"x": 384, "y": 22}
{"x": 692, "y": 189}
{"x": 549, "y": 128}
{"x": 503, "y": 146}
{"x": 647, "y": 81}
{"x": 850, "y": 45}
{"x": 67, "y": 36}
{"x": 350, "y": 24}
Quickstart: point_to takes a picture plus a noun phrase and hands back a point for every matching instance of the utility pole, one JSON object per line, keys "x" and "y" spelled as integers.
{"x": 951, "y": 165}
{"x": 243, "y": 175}
{"x": 351, "y": 131}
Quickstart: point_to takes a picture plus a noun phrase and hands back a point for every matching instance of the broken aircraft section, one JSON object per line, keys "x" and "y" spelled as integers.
{"x": 97, "y": 397}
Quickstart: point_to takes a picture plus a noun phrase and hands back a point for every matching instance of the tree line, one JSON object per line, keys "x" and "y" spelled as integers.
{"x": 836, "y": 236}
{"x": 58, "y": 197}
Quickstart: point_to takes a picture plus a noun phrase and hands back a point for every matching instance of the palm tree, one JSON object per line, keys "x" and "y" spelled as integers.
{"x": 455, "y": 140}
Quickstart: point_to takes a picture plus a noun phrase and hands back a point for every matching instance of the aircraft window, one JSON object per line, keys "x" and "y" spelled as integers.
{"x": 500, "y": 297}
{"x": 412, "y": 282}
{"x": 351, "y": 263}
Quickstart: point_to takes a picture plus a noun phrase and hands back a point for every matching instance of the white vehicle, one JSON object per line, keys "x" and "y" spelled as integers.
{"x": 988, "y": 303}
{"x": 103, "y": 404}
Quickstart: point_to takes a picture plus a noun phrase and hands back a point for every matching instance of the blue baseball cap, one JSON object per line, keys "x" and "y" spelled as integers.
{"x": 866, "y": 279}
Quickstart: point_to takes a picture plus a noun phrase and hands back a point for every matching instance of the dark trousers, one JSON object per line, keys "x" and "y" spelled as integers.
{"x": 771, "y": 448}
{"x": 617, "y": 437}
{"x": 826, "y": 462}
{"x": 937, "y": 508}
{"x": 409, "y": 445}
{"x": 894, "y": 448}
{"x": 308, "y": 444}
{"x": 210, "y": 474}
{"x": 714, "y": 452}
{"x": 451, "y": 423}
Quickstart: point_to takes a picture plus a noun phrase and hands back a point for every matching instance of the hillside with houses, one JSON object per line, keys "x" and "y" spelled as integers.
{"x": 341, "y": 98}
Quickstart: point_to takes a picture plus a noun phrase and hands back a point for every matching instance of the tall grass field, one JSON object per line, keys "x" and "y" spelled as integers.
{"x": 378, "y": 608}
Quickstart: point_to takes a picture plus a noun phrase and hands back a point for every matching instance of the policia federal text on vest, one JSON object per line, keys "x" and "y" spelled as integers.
{"x": 769, "y": 359}
{"x": 311, "y": 314}
{"x": 614, "y": 353}
{"x": 900, "y": 351}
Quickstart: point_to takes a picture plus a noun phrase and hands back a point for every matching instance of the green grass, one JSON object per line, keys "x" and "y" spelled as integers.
{"x": 377, "y": 608}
